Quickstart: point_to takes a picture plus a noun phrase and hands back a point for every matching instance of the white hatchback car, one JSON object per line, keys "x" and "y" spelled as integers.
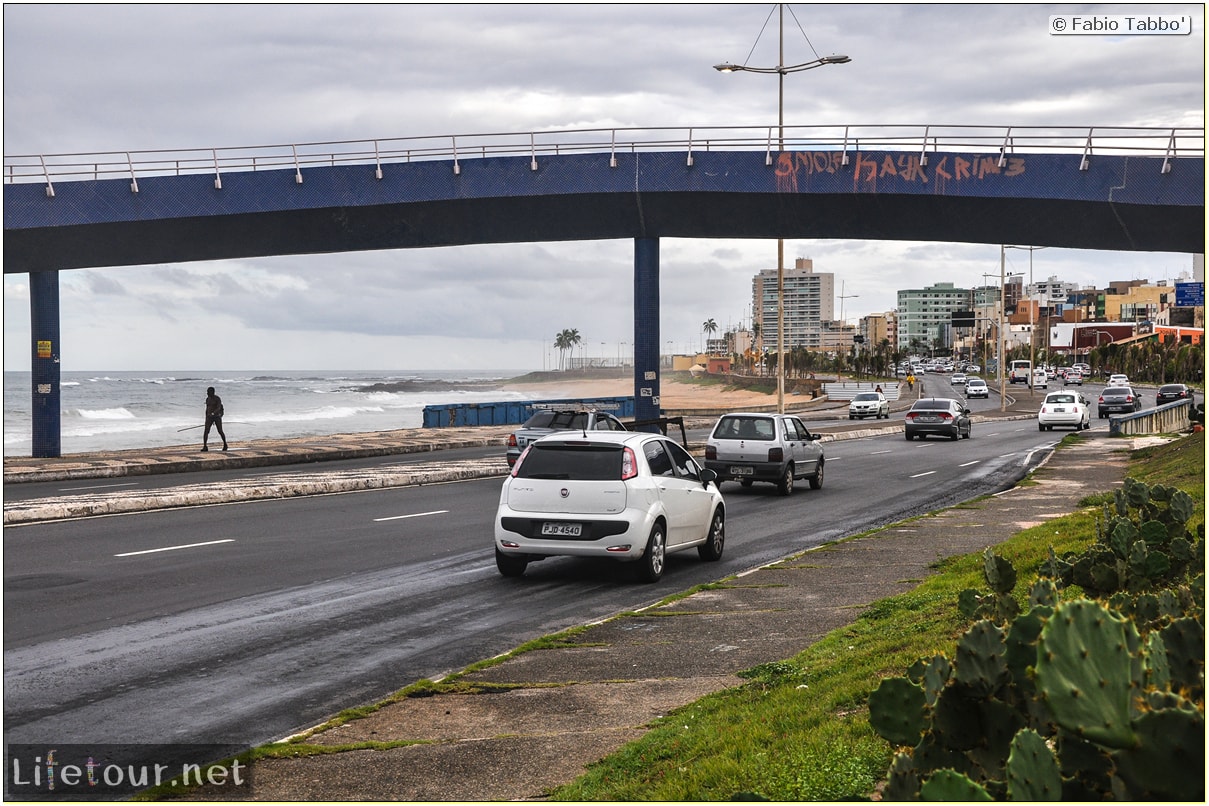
{"x": 1065, "y": 409}
{"x": 869, "y": 404}
{"x": 629, "y": 496}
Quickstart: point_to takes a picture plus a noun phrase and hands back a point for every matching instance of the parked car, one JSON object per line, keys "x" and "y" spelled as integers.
{"x": 1171, "y": 392}
{"x": 958, "y": 379}
{"x": 1118, "y": 380}
{"x": 869, "y": 404}
{"x": 937, "y": 415}
{"x": 629, "y": 496}
{"x": 977, "y": 387}
{"x": 547, "y": 421}
{"x": 1065, "y": 409}
{"x": 1072, "y": 375}
{"x": 1117, "y": 399}
{"x": 752, "y": 446}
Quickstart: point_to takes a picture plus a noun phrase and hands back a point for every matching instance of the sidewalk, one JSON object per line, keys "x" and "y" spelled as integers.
{"x": 555, "y": 711}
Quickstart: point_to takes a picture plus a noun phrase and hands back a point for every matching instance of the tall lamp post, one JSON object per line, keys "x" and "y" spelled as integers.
{"x": 781, "y": 70}
{"x": 1032, "y": 338}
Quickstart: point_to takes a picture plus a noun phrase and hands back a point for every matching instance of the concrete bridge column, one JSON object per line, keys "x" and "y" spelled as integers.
{"x": 646, "y": 328}
{"x": 44, "y": 331}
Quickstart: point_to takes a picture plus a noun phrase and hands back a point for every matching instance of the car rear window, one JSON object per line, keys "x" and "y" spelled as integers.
{"x": 931, "y": 405}
{"x": 866, "y": 396}
{"x": 558, "y": 419}
{"x": 759, "y": 428}
{"x": 1118, "y": 390}
{"x": 1166, "y": 390}
{"x": 1060, "y": 399}
{"x": 583, "y": 462}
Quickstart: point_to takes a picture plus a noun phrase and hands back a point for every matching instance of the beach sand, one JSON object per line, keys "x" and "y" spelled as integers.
{"x": 674, "y": 394}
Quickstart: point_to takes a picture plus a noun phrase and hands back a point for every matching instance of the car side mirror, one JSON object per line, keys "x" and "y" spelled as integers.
{"x": 965, "y": 411}
{"x": 708, "y": 477}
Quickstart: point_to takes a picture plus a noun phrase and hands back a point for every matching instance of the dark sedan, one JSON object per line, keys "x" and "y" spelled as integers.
{"x": 937, "y": 415}
{"x": 1171, "y": 392}
{"x": 1118, "y": 400}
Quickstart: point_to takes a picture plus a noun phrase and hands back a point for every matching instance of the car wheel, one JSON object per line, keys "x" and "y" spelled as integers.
{"x": 955, "y": 435}
{"x": 816, "y": 481}
{"x": 909, "y": 437}
{"x": 851, "y": 416}
{"x": 650, "y": 567}
{"x": 510, "y": 566}
{"x": 1040, "y": 427}
{"x": 711, "y": 549}
{"x": 785, "y": 485}
{"x": 968, "y": 433}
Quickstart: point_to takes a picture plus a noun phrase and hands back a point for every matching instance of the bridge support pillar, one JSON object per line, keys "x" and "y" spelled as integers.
{"x": 646, "y": 329}
{"x": 44, "y": 380}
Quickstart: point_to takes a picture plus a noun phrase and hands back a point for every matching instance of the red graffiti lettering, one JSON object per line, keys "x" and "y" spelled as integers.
{"x": 1015, "y": 166}
{"x": 941, "y": 171}
{"x": 961, "y": 168}
{"x": 987, "y": 165}
{"x": 888, "y": 168}
{"x": 911, "y": 170}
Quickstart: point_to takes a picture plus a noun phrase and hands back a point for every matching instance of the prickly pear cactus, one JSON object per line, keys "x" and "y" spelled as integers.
{"x": 1168, "y": 761}
{"x": 896, "y": 711}
{"x": 981, "y": 660}
{"x": 950, "y": 785}
{"x": 1032, "y": 770}
{"x": 1084, "y": 672}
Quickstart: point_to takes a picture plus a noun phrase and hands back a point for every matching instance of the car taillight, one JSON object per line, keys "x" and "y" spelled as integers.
{"x": 629, "y": 466}
{"x": 910, "y": 415}
{"x": 711, "y": 452}
{"x": 512, "y": 440}
{"x": 1101, "y": 398}
{"x": 776, "y": 455}
{"x": 944, "y": 415}
{"x": 519, "y": 460}
{"x": 1129, "y": 398}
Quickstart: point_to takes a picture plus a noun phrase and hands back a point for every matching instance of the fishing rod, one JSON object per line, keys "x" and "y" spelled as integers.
{"x": 203, "y": 425}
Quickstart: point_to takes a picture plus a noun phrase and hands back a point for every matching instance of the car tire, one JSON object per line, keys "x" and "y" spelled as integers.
{"x": 785, "y": 485}
{"x": 510, "y": 566}
{"x": 851, "y": 416}
{"x": 955, "y": 435}
{"x": 1040, "y": 427}
{"x": 909, "y": 437}
{"x": 715, "y": 542}
{"x": 816, "y": 481}
{"x": 968, "y": 433}
{"x": 650, "y": 567}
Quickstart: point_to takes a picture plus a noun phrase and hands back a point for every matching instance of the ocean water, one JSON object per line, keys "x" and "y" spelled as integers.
{"x": 121, "y": 410}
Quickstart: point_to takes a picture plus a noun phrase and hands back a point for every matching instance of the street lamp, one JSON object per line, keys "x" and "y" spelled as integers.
{"x": 781, "y": 70}
{"x": 1032, "y": 344}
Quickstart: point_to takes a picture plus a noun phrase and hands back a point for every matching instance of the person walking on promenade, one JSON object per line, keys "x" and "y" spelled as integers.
{"x": 213, "y": 418}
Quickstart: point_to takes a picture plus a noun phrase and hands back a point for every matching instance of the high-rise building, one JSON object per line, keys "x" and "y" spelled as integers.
{"x": 809, "y": 302}
{"x": 925, "y": 315}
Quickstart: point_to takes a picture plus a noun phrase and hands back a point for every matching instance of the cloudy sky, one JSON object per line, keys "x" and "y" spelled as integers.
{"x": 90, "y": 78}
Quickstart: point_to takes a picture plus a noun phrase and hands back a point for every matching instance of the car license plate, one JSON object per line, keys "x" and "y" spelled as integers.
{"x": 742, "y": 471}
{"x": 1059, "y": 410}
{"x": 562, "y": 529}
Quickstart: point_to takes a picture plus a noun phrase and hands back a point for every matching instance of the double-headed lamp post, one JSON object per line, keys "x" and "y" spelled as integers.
{"x": 781, "y": 70}
{"x": 1032, "y": 322}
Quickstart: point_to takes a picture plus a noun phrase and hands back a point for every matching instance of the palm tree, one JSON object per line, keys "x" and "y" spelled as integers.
{"x": 709, "y": 327}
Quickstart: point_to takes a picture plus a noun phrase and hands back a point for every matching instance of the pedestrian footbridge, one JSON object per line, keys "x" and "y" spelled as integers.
{"x": 1137, "y": 189}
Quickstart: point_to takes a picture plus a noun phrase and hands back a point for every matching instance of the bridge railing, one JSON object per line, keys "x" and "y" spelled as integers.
{"x": 1083, "y": 143}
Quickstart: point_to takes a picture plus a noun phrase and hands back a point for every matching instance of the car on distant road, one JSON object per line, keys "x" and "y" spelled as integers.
{"x": 1040, "y": 378}
{"x": 977, "y": 387}
{"x": 941, "y": 416}
{"x": 869, "y": 404}
{"x": 624, "y": 495}
{"x": 547, "y": 421}
{"x": 1072, "y": 375}
{"x": 1171, "y": 392}
{"x": 973, "y": 368}
{"x": 1064, "y": 409}
{"x": 958, "y": 379}
{"x": 754, "y": 446}
{"x": 1118, "y": 380}
{"x": 1116, "y": 400}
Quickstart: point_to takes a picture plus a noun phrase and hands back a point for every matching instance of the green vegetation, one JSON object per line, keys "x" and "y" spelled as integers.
{"x": 800, "y": 728}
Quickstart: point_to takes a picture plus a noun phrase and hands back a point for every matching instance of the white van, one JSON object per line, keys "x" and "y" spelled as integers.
{"x": 1021, "y": 371}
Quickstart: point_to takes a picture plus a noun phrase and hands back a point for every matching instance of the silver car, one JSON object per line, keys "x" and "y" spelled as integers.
{"x": 627, "y": 496}
{"x": 547, "y": 421}
{"x": 753, "y": 446}
{"x": 869, "y": 404}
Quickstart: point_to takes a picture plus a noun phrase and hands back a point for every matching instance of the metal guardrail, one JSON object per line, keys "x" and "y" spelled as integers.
{"x": 1169, "y": 143}
{"x": 1169, "y": 418}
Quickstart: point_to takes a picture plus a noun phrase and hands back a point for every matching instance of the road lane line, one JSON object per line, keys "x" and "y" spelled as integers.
{"x": 98, "y": 486}
{"x": 967, "y": 464}
{"x": 921, "y": 475}
{"x": 875, "y": 453}
{"x": 175, "y": 548}
{"x": 416, "y": 515}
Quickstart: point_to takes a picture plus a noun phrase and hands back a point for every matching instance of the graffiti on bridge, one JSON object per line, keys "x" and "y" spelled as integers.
{"x": 795, "y": 168}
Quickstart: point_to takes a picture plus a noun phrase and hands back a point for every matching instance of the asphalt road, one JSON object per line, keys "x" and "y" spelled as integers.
{"x": 246, "y": 622}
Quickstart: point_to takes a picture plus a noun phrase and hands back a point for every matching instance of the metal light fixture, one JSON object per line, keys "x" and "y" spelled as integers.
{"x": 781, "y": 70}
